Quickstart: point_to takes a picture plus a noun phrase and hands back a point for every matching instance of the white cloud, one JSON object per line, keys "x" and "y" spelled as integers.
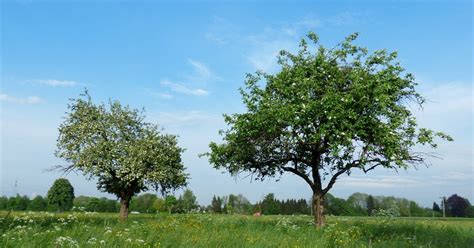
{"x": 20, "y": 100}
{"x": 201, "y": 74}
{"x": 222, "y": 32}
{"x": 165, "y": 95}
{"x": 180, "y": 88}
{"x": 264, "y": 57}
{"x": 454, "y": 176}
{"x": 55, "y": 82}
{"x": 162, "y": 95}
{"x": 264, "y": 47}
{"x": 184, "y": 118}
{"x": 380, "y": 181}
{"x": 201, "y": 70}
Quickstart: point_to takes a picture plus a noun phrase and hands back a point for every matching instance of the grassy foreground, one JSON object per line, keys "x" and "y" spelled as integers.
{"x": 21, "y": 229}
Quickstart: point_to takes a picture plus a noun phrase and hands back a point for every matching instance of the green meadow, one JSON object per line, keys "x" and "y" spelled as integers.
{"x": 28, "y": 229}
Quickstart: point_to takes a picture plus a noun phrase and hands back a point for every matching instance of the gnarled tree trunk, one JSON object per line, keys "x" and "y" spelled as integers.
{"x": 318, "y": 209}
{"x": 124, "y": 207}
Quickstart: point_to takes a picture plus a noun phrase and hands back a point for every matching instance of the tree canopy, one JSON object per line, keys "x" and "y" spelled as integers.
{"x": 457, "y": 206}
{"x": 61, "y": 195}
{"x": 116, "y": 146}
{"x": 326, "y": 113}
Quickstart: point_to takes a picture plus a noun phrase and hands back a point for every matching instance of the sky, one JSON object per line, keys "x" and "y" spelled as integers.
{"x": 184, "y": 63}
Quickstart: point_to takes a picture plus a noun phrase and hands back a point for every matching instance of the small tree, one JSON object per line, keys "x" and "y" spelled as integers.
{"x": 436, "y": 207}
{"x": 159, "y": 205}
{"x": 189, "y": 201}
{"x": 216, "y": 204}
{"x": 170, "y": 203}
{"x": 456, "y": 206}
{"x": 270, "y": 205}
{"x": 117, "y": 147}
{"x": 326, "y": 113}
{"x": 370, "y": 204}
{"x": 61, "y": 195}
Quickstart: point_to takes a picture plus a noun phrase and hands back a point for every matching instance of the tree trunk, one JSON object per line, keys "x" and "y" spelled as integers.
{"x": 318, "y": 209}
{"x": 124, "y": 205}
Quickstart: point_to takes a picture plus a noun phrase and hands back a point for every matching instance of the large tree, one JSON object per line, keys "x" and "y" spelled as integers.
{"x": 326, "y": 113}
{"x": 117, "y": 147}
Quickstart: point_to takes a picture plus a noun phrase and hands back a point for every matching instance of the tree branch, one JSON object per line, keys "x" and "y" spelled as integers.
{"x": 300, "y": 174}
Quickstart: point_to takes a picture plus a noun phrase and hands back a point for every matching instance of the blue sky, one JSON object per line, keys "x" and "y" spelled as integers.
{"x": 184, "y": 62}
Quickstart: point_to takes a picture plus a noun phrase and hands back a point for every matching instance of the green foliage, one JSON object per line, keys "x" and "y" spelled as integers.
{"x": 159, "y": 205}
{"x": 115, "y": 145}
{"x": 470, "y": 211}
{"x": 18, "y": 203}
{"x": 456, "y": 206}
{"x": 338, "y": 206}
{"x": 204, "y": 230}
{"x": 94, "y": 204}
{"x": 144, "y": 203}
{"x": 3, "y": 202}
{"x": 38, "y": 203}
{"x": 189, "y": 201}
{"x": 370, "y": 204}
{"x": 326, "y": 113}
{"x": 61, "y": 195}
{"x": 171, "y": 203}
{"x": 270, "y": 205}
{"x": 216, "y": 204}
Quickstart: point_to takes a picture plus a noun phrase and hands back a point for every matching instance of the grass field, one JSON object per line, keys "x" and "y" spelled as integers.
{"x": 22, "y": 229}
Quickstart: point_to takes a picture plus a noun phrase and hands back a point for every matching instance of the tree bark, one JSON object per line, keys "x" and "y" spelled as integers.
{"x": 318, "y": 209}
{"x": 124, "y": 206}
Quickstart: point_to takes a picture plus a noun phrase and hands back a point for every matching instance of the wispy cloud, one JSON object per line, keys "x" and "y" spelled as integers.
{"x": 20, "y": 100}
{"x": 453, "y": 176}
{"x": 55, "y": 82}
{"x": 222, "y": 32}
{"x": 263, "y": 48}
{"x": 162, "y": 95}
{"x": 200, "y": 75}
{"x": 201, "y": 70}
{"x": 180, "y": 88}
{"x": 380, "y": 181}
{"x": 265, "y": 58}
{"x": 185, "y": 118}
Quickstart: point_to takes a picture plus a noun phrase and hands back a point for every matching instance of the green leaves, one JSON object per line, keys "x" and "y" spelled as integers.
{"x": 327, "y": 112}
{"x": 115, "y": 145}
{"x": 61, "y": 195}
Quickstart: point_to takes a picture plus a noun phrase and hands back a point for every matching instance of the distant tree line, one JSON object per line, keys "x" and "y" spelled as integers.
{"x": 60, "y": 197}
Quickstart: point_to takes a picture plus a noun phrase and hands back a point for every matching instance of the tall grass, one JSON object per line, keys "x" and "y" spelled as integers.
{"x": 204, "y": 230}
